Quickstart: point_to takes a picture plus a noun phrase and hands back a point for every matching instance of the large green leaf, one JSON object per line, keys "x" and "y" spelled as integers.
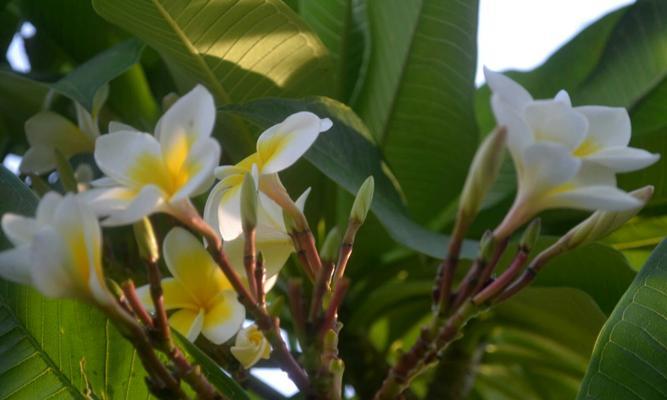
{"x": 81, "y": 84}
{"x": 20, "y": 98}
{"x": 239, "y": 49}
{"x": 341, "y": 24}
{"x": 417, "y": 97}
{"x": 58, "y": 349}
{"x": 345, "y": 155}
{"x": 630, "y": 357}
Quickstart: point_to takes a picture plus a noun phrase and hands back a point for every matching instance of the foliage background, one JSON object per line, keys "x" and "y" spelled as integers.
{"x": 397, "y": 78}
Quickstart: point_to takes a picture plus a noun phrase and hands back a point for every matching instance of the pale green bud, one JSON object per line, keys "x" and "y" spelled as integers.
{"x": 482, "y": 174}
{"x": 248, "y": 203}
{"x": 329, "y": 250}
{"x": 145, "y": 237}
{"x": 169, "y": 100}
{"x": 363, "y": 200}
{"x": 530, "y": 235}
{"x": 487, "y": 246}
{"x": 603, "y": 223}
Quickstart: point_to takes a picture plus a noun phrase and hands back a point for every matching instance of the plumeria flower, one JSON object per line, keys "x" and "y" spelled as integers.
{"x": 278, "y": 147}
{"x": 271, "y": 239}
{"x": 250, "y": 346}
{"x": 199, "y": 292}
{"x": 147, "y": 174}
{"x": 48, "y": 132}
{"x": 59, "y": 251}
{"x": 564, "y": 157}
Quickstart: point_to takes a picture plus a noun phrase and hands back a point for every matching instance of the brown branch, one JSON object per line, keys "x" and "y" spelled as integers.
{"x": 321, "y": 286}
{"x": 250, "y": 260}
{"x": 130, "y": 292}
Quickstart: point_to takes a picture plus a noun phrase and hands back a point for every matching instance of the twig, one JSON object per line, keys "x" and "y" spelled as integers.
{"x": 504, "y": 279}
{"x": 160, "y": 321}
{"x": 331, "y": 314}
{"x": 130, "y": 292}
{"x": 260, "y": 272}
{"x": 321, "y": 285}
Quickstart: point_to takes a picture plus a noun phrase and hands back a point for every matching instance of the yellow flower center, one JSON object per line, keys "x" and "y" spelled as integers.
{"x": 586, "y": 148}
{"x": 169, "y": 172}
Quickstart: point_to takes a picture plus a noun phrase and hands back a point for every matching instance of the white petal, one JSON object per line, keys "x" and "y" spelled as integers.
{"x": 511, "y": 92}
{"x": 223, "y": 320}
{"x": 188, "y": 120}
{"x": 38, "y": 160}
{"x": 18, "y": 229}
{"x": 46, "y": 209}
{"x": 283, "y": 144}
{"x": 301, "y": 200}
{"x": 49, "y": 272}
{"x": 120, "y": 153}
{"x": 106, "y": 200}
{"x": 606, "y": 198}
{"x": 15, "y": 265}
{"x": 607, "y": 126}
{"x": 623, "y": 159}
{"x": 147, "y": 201}
{"x": 199, "y": 166}
{"x": 224, "y": 171}
{"x": 104, "y": 181}
{"x": 563, "y": 97}
{"x": 554, "y": 121}
{"x": 547, "y": 165}
{"x": 519, "y": 135}
{"x": 223, "y": 210}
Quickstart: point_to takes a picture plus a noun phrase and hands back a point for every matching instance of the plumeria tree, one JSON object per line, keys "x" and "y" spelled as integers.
{"x": 197, "y": 191}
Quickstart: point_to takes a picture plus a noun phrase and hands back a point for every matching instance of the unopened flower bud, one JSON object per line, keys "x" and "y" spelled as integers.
{"x": 602, "y": 223}
{"x": 248, "y": 203}
{"x": 169, "y": 100}
{"x": 363, "y": 200}
{"x": 482, "y": 174}
{"x": 329, "y": 250}
{"x": 145, "y": 237}
{"x": 530, "y": 235}
{"x": 487, "y": 245}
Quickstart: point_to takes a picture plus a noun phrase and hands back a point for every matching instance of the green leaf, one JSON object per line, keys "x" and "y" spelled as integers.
{"x": 342, "y": 26}
{"x": 81, "y": 84}
{"x": 630, "y": 361}
{"x": 239, "y": 50}
{"x": 417, "y": 97}
{"x": 212, "y": 370}
{"x": 58, "y": 348}
{"x": 345, "y": 155}
{"x": 20, "y": 98}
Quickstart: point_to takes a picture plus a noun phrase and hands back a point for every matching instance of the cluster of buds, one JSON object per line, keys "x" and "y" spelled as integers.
{"x": 564, "y": 157}
{"x": 221, "y": 264}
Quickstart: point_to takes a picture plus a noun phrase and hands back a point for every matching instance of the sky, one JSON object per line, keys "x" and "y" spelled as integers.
{"x": 513, "y": 34}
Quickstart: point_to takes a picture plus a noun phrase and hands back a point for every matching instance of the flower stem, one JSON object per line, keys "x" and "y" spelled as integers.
{"x": 250, "y": 259}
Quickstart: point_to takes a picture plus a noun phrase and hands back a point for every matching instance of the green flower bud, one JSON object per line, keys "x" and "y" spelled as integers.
{"x": 248, "y": 203}
{"x": 602, "y": 223}
{"x": 530, "y": 235}
{"x": 487, "y": 246}
{"x": 482, "y": 174}
{"x": 363, "y": 200}
{"x": 329, "y": 250}
{"x": 145, "y": 237}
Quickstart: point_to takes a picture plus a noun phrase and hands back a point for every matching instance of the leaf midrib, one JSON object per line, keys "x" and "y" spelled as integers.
{"x": 213, "y": 81}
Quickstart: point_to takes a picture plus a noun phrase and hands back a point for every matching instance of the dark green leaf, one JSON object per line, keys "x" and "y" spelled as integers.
{"x": 345, "y": 155}
{"x": 630, "y": 361}
{"x": 417, "y": 97}
{"x": 81, "y": 84}
{"x": 20, "y": 98}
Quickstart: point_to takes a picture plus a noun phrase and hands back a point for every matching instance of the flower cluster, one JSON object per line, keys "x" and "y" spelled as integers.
{"x": 564, "y": 156}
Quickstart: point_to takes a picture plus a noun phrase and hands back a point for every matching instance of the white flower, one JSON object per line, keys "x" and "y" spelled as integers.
{"x": 59, "y": 252}
{"x": 48, "y": 132}
{"x": 271, "y": 239}
{"x": 564, "y": 157}
{"x": 199, "y": 291}
{"x": 147, "y": 173}
{"x": 277, "y": 148}
{"x": 250, "y": 346}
